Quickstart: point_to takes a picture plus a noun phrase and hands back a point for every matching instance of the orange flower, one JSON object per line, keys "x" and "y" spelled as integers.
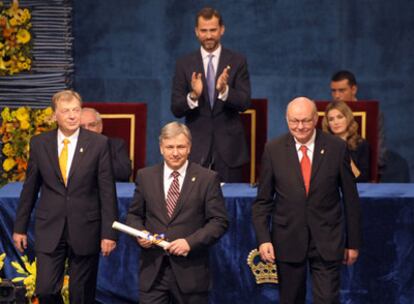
{"x": 3, "y": 21}
{"x": 7, "y": 32}
{"x": 21, "y": 164}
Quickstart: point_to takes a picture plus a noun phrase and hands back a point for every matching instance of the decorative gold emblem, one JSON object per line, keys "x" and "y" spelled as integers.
{"x": 263, "y": 272}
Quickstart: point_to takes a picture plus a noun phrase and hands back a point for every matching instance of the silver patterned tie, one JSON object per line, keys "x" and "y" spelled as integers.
{"x": 210, "y": 80}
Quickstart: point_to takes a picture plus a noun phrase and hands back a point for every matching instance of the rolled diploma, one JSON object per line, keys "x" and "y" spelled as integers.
{"x": 138, "y": 233}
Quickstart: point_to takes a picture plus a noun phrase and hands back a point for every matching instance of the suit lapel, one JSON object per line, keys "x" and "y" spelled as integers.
{"x": 51, "y": 147}
{"x": 224, "y": 61}
{"x": 292, "y": 155}
{"x": 318, "y": 154}
{"x": 189, "y": 180}
{"x": 159, "y": 192}
{"x": 199, "y": 66}
{"x": 80, "y": 150}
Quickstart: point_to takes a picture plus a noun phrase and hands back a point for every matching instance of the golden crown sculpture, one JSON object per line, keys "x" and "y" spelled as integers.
{"x": 263, "y": 272}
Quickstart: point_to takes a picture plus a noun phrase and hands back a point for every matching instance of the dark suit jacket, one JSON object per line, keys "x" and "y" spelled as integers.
{"x": 221, "y": 126}
{"x": 200, "y": 217}
{"x": 362, "y": 160}
{"x": 282, "y": 197}
{"x": 88, "y": 203}
{"x": 121, "y": 164}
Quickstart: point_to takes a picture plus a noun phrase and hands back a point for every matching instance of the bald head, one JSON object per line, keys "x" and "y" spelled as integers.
{"x": 91, "y": 120}
{"x": 301, "y": 104}
{"x": 302, "y": 117}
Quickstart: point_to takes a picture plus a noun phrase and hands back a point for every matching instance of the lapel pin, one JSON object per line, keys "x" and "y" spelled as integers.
{"x": 81, "y": 150}
{"x": 193, "y": 179}
{"x": 322, "y": 151}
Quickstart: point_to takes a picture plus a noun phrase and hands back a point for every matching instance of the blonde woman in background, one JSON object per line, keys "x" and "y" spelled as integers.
{"x": 339, "y": 120}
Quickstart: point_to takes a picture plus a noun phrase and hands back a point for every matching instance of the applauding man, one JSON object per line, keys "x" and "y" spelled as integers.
{"x": 210, "y": 87}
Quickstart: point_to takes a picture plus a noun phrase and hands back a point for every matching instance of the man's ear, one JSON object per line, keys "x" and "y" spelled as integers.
{"x": 354, "y": 90}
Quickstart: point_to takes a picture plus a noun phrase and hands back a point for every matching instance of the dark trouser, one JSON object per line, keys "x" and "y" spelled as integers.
{"x": 325, "y": 279}
{"x": 166, "y": 291}
{"x": 50, "y": 272}
{"x": 227, "y": 174}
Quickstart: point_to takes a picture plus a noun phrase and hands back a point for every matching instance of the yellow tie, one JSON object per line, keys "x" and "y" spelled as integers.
{"x": 63, "y": 159}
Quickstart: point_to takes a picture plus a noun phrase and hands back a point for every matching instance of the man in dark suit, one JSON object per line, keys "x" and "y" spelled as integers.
{"x": 210, "y": 87}
{"x": 71, "y": 168}
{"x": 183, "y": 201}
{"x": 121, "y": 164}
{"x": 307, "y": 193}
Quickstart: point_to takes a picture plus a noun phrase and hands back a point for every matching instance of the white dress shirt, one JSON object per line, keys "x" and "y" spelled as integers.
{"x": 310, "y": 145}
{"x": 215, "y": 60}
{"x": 168, "y": 178}
{"x": 73, "y": 140}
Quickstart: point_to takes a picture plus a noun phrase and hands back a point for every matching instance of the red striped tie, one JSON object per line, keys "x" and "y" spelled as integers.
{"x": 305, "y": 164}
{"x": 173, "y": 193}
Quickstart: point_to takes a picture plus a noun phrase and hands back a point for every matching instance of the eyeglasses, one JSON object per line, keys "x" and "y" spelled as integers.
{"x": 296, "y": 122}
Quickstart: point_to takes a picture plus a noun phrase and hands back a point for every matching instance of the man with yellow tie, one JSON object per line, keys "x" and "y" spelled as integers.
{"x": 71, "y": 168}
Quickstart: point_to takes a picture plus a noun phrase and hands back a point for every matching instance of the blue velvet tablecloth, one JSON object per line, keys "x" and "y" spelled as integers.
{"x": 384, "y": 272}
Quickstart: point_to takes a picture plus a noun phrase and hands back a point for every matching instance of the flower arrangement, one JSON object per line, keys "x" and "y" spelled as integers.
{"x": 29, "y": 279}
{"x": 17, "y": 127}
{"x": 2, "y": 257}
{"x": 15, "y": 38}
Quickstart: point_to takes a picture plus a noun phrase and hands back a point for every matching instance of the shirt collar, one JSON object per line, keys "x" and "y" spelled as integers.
{"x": 168, "y": 170}
{"x": 216, "y": 53}
{"x": 310, "y": 144}
{"x": 71, "y": 138}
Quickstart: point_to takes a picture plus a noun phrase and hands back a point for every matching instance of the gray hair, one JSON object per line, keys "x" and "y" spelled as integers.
{"x": 174, "y": 129}
{"x": 65, "y": 95}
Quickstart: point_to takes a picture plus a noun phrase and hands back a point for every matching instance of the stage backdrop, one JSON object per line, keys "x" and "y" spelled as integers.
{"x": 125, "y": 50}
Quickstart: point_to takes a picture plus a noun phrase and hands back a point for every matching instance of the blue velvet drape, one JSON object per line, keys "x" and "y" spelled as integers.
{"x": 383, "y": 274}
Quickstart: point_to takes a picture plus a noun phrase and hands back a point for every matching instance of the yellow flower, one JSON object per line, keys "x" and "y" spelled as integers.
{"x": 26, "y": 14}
{"x": 8, "y": 164}
{"x": 5, "y": 114}
{"x": 48, "y": 111}
{"x": 16, "y": 129}
{"x": 23, "y": 36}
{"x": 8, "y": 150}
{"x": 13, "y": 22}
{"x": 22, "y": 114}
{"x": 24, "y": 125}
{"x": 2, "y": 257}
{"x": 29, "y": 278}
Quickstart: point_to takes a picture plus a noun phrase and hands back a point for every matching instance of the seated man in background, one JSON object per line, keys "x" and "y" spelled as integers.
{"x": 121, "y": 164}
{"x": 344, "y": 87}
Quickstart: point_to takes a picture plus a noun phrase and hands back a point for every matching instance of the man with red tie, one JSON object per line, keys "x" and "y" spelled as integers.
{"x": 184, "y": 202}
{"x": 307, "y": 212}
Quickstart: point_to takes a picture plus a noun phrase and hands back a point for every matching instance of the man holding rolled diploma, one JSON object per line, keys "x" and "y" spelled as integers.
{"x": 184, "y": 202}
